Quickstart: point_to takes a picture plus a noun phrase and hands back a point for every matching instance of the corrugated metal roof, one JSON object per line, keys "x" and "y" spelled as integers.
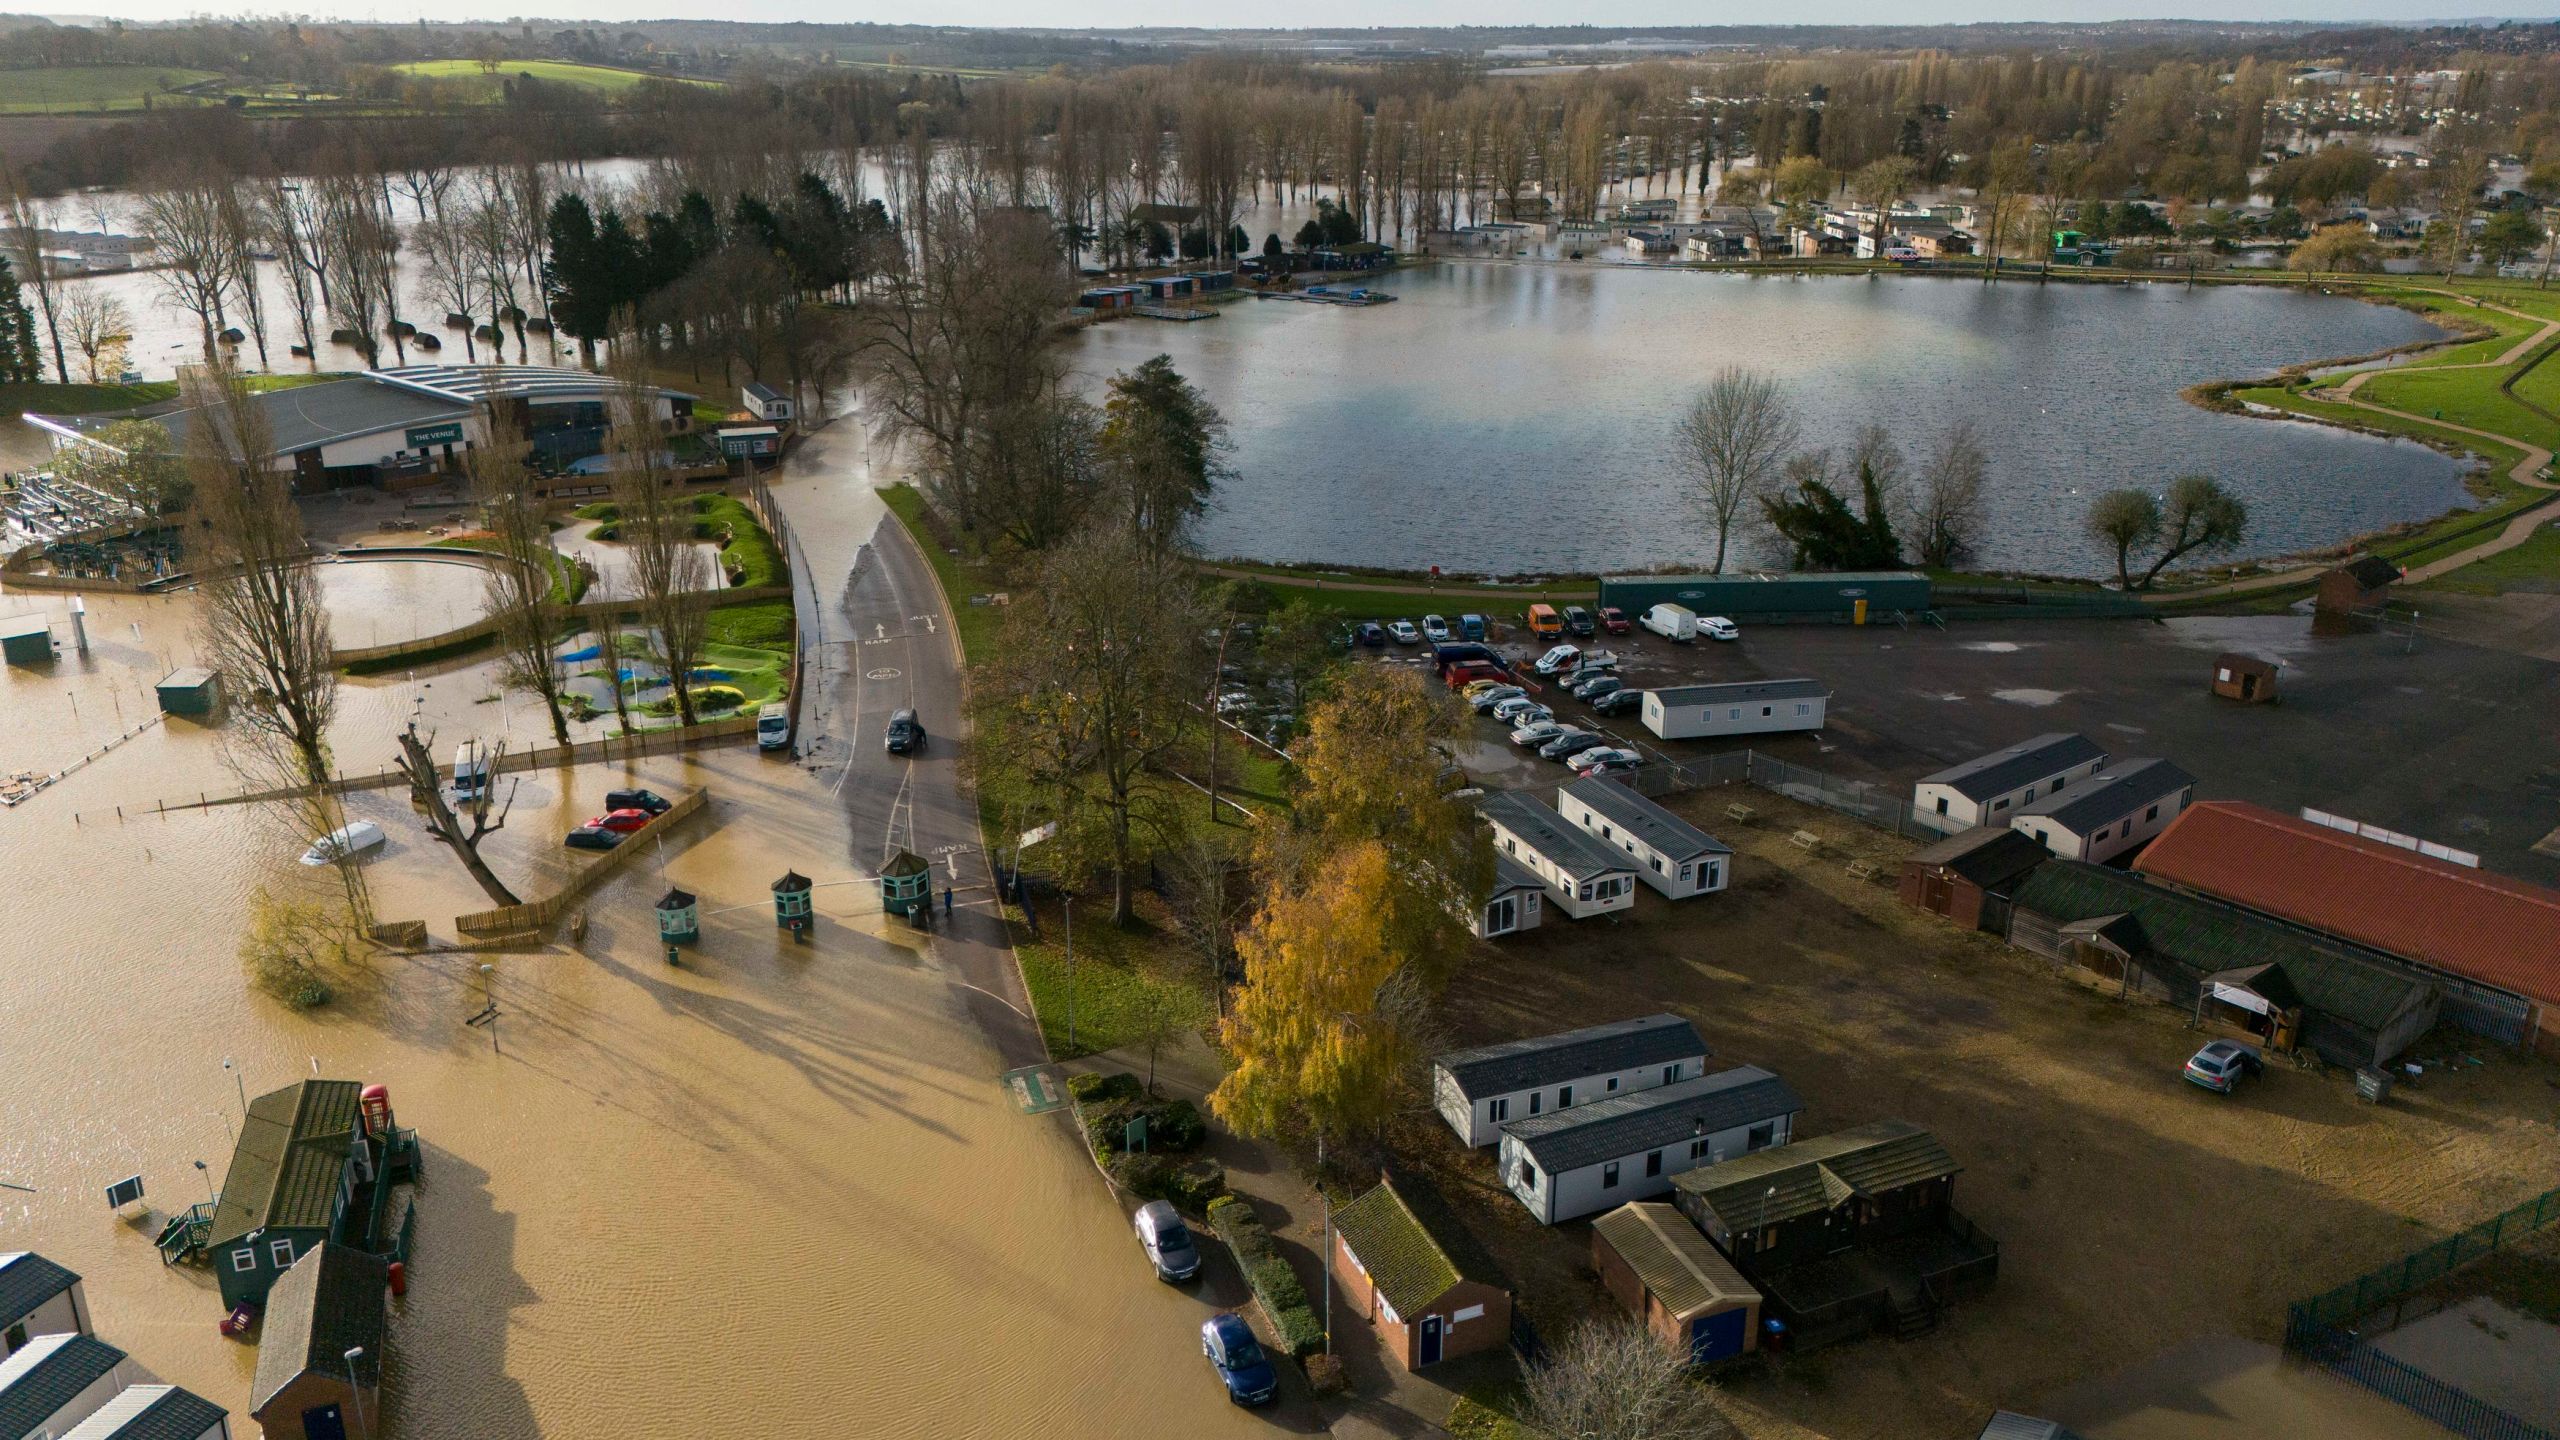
{"x": 1681, "y": 1267}
{"x": 2471, "y": 922}
{"x": 1639, "y": 1120}
{"x": 27, "y": 1280}
{"x": 48, "y": 1373}
{"x": 2024, "y": 763}
{"x": 286, "y": 1165}
{"x": 1556, "y": 840}
{"x": 2201, "y": 937}
{"x": 1648, "y": 822}
{"x": 1404, "y": 1260}
{"x": 151, "y": 1412}
{"x": 1812, "y": 1176}
{"x": 2110, "y": 795}
{"x": 1516, "y": 1065}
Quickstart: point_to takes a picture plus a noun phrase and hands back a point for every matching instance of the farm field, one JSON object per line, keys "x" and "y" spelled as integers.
{"x": 602, "y": 78}
{"x": 94, "y": 87}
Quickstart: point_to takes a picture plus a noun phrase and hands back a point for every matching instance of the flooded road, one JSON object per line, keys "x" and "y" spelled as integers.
{"x": 776, "y": 1190}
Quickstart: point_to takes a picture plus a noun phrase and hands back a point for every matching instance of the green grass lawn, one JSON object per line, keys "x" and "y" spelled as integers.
{"x": 1120, "y": 977}
{"x": 2533, "y": 565}
{"x": 2464, "y": 397}
{"x": 604, "y": 79}
{"x": 961, "y": 576}
{"x": 47, "y": 399}
{"x": 95, "y": 87}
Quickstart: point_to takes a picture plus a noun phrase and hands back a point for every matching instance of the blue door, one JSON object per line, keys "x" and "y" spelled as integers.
{"x": 1430, "y": 1342}
{"x": 324, "y": 1422}
{"x": 1713, "y": 1337}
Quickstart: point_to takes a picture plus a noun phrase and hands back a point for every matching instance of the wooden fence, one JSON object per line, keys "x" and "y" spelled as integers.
{"x": 486, "y": 627}
{"x": 540, "y": 914}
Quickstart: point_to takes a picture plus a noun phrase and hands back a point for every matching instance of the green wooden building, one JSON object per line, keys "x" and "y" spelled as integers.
{"x": 26, "y": 640}
{"x": 191, "y": 691}
{"x": 315, "y": 1162}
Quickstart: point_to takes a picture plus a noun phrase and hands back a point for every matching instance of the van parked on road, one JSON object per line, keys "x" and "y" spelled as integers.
{"x": 1545, "y": 623}
{"x": 1672, "y": 622}
{"x": 470, "y": 770}
{"x": 773, "y": 726}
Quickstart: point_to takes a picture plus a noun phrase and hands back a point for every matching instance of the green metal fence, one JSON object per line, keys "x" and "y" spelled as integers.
{"x": 2367, "y": 1293}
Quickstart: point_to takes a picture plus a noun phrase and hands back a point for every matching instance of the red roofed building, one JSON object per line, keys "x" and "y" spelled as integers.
{"x": 2448, "y": 917}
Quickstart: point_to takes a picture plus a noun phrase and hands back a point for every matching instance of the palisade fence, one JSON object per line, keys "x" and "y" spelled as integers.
{"x": 2322, "y": 1327}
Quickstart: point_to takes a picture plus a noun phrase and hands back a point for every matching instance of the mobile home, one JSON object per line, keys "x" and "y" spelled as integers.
{"x": 1748, "y": 707}
{"x": 1570, "y": 1163}
{"x": 1988, "y": 789}
{"x": 1481, "y": 1090}
{"x": 2112, "y": 812}
{"x": 1672, "y": 855}
{"x": 1582, "y": 877}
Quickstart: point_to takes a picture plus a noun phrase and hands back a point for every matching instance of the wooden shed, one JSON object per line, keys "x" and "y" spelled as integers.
{"x": 2244, "y": 678}
{"x": 1396, "y": 1272}
{"x": 26, "y": 640}
{"x": 1674, "y": 1280}
{"x": 1969, "y": 877}
{"x": 2354, "y": 593}
{"x": 191, "y": 691}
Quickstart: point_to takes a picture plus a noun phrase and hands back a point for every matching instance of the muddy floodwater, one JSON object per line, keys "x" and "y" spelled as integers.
{"x": 775, "y": 1191}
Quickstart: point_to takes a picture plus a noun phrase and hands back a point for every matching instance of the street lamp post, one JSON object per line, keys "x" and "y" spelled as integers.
{"x": 1326, "y": 1263}
{"x": 1071, "y": 967}
{"x": 240, "y": 1082}
{"x": 355, "y": 1391}
{"x": 209, "y": 1197}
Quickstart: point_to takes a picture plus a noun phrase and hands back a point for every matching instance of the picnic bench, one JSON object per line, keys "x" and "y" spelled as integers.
{"x": 1864, "y": 869}
{"x": 1739, "y": 813}
{"x": 1805, "y": 840}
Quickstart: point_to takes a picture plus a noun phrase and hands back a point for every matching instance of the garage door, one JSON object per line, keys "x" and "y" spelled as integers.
{"x": 1713, "y": 1337}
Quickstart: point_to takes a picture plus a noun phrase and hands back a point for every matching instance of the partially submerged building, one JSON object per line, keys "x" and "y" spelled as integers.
{"x": 38, "y": 1297}
{"x": 54, "y": 1382}
{"x": 155, "y": 1412}
{"x": 315, "y": 1163}
{"x": 320, "y": 1348}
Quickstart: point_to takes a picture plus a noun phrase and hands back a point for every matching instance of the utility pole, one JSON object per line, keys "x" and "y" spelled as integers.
{"x": 1326, "y": 1263}
{"x": 1217, "y": 690}
{"x": 1071, "y": 967}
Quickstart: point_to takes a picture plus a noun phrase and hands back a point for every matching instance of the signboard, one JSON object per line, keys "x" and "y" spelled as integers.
{"x": 1035, "y": 1089}
{"x": 124, "y": 1192}
{"x": 419, "y": 437}
{"x": 1035, "y": 835}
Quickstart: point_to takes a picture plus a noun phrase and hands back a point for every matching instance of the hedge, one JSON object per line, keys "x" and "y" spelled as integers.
{"x": 1274, "y": 1284}
{"x": 1191, "y": 1184}
{"x": 1105, "y": 1104}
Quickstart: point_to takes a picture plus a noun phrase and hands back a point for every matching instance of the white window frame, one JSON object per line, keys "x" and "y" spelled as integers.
{"x": 1609, "y": 1176}
{"x": 280, "y": 1250}
{"x": 244, "y": 1259}
{"x": 1498, "y": 1109}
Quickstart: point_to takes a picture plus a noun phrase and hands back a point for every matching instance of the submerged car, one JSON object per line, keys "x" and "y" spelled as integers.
{"x": 1247, "y": 1372}
{"x": 1167, "y": 1241}
{"x": 592, "y": 837}
{"x": 2221, "y": 1065}
{"x": 621, "y": 822}
{"x": 649, "y": 800}
{"x": 346, "y": 840}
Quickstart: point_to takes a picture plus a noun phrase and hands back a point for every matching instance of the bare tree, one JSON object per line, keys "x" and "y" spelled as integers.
{"x": 239, "y": 239}
{"x": 1211, "y": 894}
{"x": 23, "y": 220}
{"x": 1947, "y": 509}
{"x": 522, "y": 591}
{"x": 450, "y": 274}
{"x": 1614, "y": 1380}
{"x": 607, "y": 622}
{"x": 289, "y": 219}
{"x": 1732, "y": 438}
{"x": 418, "y": 764}
{"x": 183, "y": 216}
{"x": 655, "y": 522}
{"x": 98, "y": 324}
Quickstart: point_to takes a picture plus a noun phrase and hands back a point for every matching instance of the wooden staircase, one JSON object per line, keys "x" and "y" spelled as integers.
{"x": 1914, "y": 1310}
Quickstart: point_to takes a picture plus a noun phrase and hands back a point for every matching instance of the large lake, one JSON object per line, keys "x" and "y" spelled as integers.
{"x": 1517, "y": 418}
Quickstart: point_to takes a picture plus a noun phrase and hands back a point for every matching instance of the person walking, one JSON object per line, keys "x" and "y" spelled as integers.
{"x": 946, "y": 902}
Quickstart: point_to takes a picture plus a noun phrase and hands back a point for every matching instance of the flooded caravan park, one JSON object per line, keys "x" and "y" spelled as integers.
{"x": 778, "y": 1182}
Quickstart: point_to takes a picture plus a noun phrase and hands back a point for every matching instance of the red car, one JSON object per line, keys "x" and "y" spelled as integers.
{"x": 622, "y": 821}
{"x": 1467, "y": 672}
{"x": 1615, "y": 621}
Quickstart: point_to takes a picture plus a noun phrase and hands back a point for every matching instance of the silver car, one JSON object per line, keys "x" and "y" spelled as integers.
{"x": 1167, "y": 1241}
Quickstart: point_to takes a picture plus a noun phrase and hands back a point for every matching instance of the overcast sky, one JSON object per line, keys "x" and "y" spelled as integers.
{"x": 1050, "y": 13}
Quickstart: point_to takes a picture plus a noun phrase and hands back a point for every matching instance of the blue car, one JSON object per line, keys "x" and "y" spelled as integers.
{"x": 1230, "y": 1346}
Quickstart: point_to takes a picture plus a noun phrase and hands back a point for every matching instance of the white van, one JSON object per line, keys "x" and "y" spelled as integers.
{"x": 773, "y": 726}
{"x": 470, "y": 771}
{"x": 1671, "y": 622}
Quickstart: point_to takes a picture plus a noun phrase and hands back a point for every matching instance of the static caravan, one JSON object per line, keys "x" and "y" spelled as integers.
{"x": 38, "y": 1297}
{"x": 2105, "y": 816}
{"x": 1671, "y": 855}
{"x": 1988, "y": 789}
{"x": 1511, "y": 906}
{"x": 155, "y": 1412}
{"x": 768, "y": 404}
{"x": 1748, "y": 707}
{"x": 1481, "y": 1090}
{"x": 1571, "y": 1163}
{"x": 1582, "y": 877}
{"x": 54, "y": 1382}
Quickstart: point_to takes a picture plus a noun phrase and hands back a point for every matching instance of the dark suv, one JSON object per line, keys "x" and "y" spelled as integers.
{"x": 906, "y": 733}
{"x": 1578, "y": 621}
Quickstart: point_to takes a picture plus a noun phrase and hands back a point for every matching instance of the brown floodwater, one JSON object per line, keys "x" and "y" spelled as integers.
{"x": 774, "y": 1191}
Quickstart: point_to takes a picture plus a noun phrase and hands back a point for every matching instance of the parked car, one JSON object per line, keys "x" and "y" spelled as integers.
{"x": 1596, "y": 687}
{"x": 1530, "y": 715}
{"x": 1473, "y": 688}
{"x": 1471, "y": 626}
{"x": 593, "y": 837}
{"x": 1672, "y": 622}
{"x": 2222, "y": 1064}
{"x": 905, "y": 735}
{"x": 1403, "y": 633}
{"x": 1485, "y": 702}
{"x": 1615, "y": 621}
{"x": 1565, "y": 747}
{"x": 1621, "y": 701}
{"x": 1716, "y": 627}
{"x": 1591, "y": 663}
{"x": 1241, "y": 1365}
{"x": 1371, "y": 634}
{"x": 1434, "y": 629}
{"x": 1509, "y": 708}
{"x": 1562, "y": 657}
{"x": 1234, "y": 700}
{"x": 1607, "y": 760}
{"x": 1473, "y": 672}
{"x": 649, "y": 800}
{"x": 621, "y": 821}
{"x": 773, "y": 726}
{"x": 1577, "y": 621}
{"x": 1533, "y": 734}
{"x": 1167, "y": 1242}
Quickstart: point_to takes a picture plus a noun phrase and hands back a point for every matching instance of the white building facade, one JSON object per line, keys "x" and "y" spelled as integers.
{"x": 1990, "y": 789}
{"x": 2110, "y": 813}
{"x": 1479, "y": 1091}
{"x": 1578, "y": 1162}
{"x": 1671, "y": 855}
{"x": 1751, "y": 707}
{"x": 1581, "y": 877}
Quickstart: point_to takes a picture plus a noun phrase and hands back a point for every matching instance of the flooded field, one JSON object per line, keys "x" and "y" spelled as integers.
{"x": 776, "y": 1190}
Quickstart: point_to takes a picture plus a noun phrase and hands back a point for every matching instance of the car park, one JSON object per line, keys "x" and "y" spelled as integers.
{"x": 1475, "y": 687}
{"x": 1167, "y": 1241}
{"x": 649, "y": 800}
{"x": 1513, "y": 706}
{"x": 1577, "y": 621}
{"x": 1471, "y": 626}
{"x": 1618, "y": 702}
{"x": 1371, "y": 634}
{"x": 905, "y": 735}
{"x": 593, "y": 837}
{"x": 1562, "y": 657}
{"x": 1596, "y": 687}
{"x": 2222, "y": 1064}
{"x": 1434, "y": 629}
{"x": 1606, "y": 760}
{"x": 1565, "y": 747}
{"x": 1403, "y": 632}
{"x": 1529, "y": 735}
{"x": 621, "y": 821}
{"x": 1615, "y": 622}
{"x": 1247, "y": 1373}
{"x": 1485, "y": 702}
{"x": 1716, "y": 627}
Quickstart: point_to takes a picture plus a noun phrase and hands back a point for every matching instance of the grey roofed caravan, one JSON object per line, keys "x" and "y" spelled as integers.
{"x": 48, "y": 1373}
{"x": 1623, "y": 1124}
{"x": 1670, "y": 836}
{"x": 1742, "y": 690}
{"x": 2110, "y": 794}
{"x": 27, "y": 1280}
{"x": 1516, "y": 1065}
{"x": 151, "y": 1412}
{"x": 1558, "y": 841}
{"x": 2002, "y": 771}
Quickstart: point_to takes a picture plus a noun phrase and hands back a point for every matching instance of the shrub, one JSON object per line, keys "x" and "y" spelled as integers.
{"x": 1102, "y": 1087}
{"x": 1105, "y": 1104}
{"x": 1191, "y": 1185}
{"x": 1324, "y": 1375}
{"x": 1274, "y": 1284}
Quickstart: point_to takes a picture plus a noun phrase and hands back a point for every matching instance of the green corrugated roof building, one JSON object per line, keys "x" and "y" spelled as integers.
{"x": 293, "y": 1171}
